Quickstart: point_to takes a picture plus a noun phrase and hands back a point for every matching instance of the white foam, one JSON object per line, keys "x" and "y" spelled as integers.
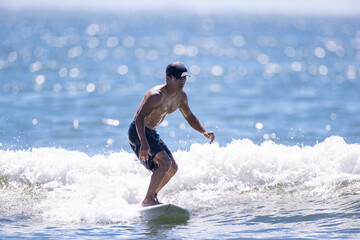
{"x": 70, "y": 186}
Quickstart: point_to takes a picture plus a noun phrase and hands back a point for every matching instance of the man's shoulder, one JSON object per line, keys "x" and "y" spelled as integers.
{"x": 182, "y": 98}
{"x": 154, "y": 90}
{"x": 154, "y": 95}
{"x": 182, "y": 94}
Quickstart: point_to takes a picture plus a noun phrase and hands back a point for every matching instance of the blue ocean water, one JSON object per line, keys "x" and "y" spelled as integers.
{"x": 281, "y": 94}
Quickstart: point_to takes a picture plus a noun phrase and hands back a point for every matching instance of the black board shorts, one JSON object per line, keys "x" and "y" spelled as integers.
{"x": 155, "y": 143}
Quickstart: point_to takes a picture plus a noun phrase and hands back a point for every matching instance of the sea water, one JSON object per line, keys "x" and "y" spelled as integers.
{"x": 280, "y": 93}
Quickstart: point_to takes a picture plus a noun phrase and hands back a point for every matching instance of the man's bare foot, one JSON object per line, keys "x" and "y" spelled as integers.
{"x": 149, "y": 202}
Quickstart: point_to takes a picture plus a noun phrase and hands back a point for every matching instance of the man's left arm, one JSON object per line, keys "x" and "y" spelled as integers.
{"x": 192, "y": 119}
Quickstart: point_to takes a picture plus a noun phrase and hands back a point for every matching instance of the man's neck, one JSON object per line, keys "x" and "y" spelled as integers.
{"x": 168, "y": 91}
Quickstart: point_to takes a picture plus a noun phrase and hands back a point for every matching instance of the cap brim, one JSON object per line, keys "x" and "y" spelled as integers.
{"x": 185, "y": 74}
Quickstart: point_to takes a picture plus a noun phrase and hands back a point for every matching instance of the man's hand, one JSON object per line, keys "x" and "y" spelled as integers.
{"x": 144, "y": 152}
{"x": 209, "y": 135}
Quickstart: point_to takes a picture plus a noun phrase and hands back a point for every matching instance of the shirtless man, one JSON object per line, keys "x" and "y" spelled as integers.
{"x": 143, "y": 138}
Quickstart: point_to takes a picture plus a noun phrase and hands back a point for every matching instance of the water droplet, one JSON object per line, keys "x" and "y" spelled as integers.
{"x": 76, "y": 124}
{"x": 34, "y": 67}
{"x": 263, "y": 59}
{"x": 90, "y": 87}
{"x": 192, "y": 51}
{"x": 238, "y": 41}
{"x": 333, "y": 116}
{"x": 217, "y": 71}
{"x": 182, "y": 126}
{"x": 40, "y": 79}
{"x": 179, "y": 49}
{"x": 93, "y": 29}
{"x": 74, "y": 72}
{"x": 112, "y": 42}
{"x": 12, "y": 57}
{"x": 296, "y": 66}
{"x": 290, "y": 52}
{"x": 266, "y": 136}
{"x": 110, "y": 141}
{"x": 75, "y": 52}
{"x": 323, "y": 70}
{"x": 63, "y": 72}
{"x": 57, "y": 87}
{"x": 195, "y": 70}
{"x": 123, "y": 69}
{"x": 320, "y": 52}
{"x": 259, "y": 126}
{"x": 129, "y": 42}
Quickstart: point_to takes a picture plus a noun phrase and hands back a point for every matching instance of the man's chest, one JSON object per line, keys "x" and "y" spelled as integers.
{"x": 168, "y": 107}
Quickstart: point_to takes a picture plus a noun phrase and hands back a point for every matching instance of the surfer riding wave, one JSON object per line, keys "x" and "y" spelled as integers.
{"x": 157, "y": 103}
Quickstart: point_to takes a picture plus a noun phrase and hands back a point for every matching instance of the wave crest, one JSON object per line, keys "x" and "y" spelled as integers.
{"x": 72, "y": 186}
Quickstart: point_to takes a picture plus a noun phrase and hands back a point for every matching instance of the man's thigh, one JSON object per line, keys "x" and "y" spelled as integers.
{"x": 162, "y": 158}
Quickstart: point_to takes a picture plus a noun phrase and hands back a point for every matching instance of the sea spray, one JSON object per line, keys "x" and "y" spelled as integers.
{"x": 209, "y": 174}
{"x": 70, "y": 186}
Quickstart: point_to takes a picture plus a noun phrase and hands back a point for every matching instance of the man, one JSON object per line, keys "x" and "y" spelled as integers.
{"x": 143, "y": 138}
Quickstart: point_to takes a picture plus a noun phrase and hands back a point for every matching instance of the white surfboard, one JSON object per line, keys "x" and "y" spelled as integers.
{"x": 164, "y": 211}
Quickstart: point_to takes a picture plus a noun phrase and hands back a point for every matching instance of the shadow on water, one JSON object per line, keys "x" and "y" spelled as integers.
{"x": 160, "y": 227}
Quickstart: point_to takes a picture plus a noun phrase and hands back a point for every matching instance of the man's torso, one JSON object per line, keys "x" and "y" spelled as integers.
{"x": 168, "y": 105}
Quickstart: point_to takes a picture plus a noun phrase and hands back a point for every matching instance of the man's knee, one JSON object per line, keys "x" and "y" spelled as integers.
{"x": 163, "y": 160}
{"x": 174, "y": 166}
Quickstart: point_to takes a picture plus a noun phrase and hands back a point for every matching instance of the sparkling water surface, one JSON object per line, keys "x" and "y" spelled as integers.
{"x": 281, "y": 94}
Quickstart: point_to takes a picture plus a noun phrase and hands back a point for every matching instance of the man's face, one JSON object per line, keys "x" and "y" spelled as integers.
{"x": 179, "y": 83}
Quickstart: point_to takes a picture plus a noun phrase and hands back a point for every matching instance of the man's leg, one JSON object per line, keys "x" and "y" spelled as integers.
{"x": 164, "y": 162}
{"x": 169, "y": 174}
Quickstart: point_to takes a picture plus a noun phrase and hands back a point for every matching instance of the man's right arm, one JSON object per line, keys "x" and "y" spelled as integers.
{"x": 192, "y": 120}
{"x": 145, "y": 109}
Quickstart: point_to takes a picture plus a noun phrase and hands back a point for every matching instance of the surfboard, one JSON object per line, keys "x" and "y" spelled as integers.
{"x": 165, "y": 211}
